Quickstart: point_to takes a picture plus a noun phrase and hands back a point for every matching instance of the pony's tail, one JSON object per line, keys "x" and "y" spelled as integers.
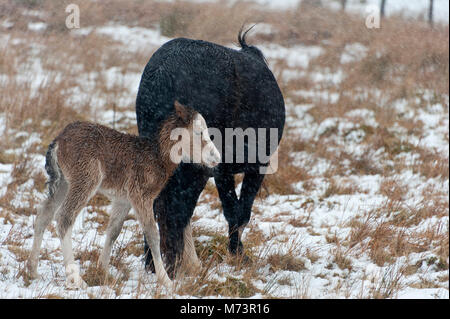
{"x": 241, "y": 36}
{"x": 249, "y": 48}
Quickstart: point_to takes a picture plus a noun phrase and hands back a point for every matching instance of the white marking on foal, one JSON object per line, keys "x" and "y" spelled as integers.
{"x": 73, "y": 278}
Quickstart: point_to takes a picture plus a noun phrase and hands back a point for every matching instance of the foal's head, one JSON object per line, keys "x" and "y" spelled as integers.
{"x": 194, "y": 144}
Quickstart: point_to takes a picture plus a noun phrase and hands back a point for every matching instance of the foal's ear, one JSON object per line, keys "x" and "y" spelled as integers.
{"x": 181, "y": 111}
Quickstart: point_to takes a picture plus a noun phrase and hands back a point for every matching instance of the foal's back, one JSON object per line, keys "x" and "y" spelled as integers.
{"x": 85, "y": 148}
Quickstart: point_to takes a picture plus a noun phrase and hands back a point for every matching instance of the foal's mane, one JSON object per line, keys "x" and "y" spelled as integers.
{"x": 173, "y": 121}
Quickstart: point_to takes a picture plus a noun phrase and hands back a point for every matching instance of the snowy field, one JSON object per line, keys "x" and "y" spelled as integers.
{"x": 359, "y": 208}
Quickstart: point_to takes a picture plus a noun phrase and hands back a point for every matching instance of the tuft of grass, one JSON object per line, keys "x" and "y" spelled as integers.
{"x": 7, "y": 158}
{"x": 231, "y": 287}
{"x": 216, "y": 248}
{"x": 285, "y": 262}
{"x": 390, "y": 283}
{"x": 18, "y": 251}
{"x": 94, "y": 276}
{"x": 342, "y": 261}
{"x": 338, "y": 189}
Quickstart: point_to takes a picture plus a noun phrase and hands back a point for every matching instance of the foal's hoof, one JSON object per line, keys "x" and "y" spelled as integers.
{"x": 75, "y": 282}
{"x": 73, "y": 278}
{"x": 167, "y": 284}
{"x": 150, "y": 267}
{"x": 31, "y": 270}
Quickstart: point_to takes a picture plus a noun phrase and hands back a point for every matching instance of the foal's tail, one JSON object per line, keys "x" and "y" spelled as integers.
{"x": 53, "y": 170}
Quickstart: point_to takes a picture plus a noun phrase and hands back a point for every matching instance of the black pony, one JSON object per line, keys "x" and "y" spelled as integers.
{"x": 231, "y": 89}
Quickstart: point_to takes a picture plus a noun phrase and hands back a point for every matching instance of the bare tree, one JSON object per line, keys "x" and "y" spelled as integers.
{"x": 382, "y": 7}
{"x": 430, "y": 13}
{"x": 311, "y": 3}
{"x": 343, "y": 4}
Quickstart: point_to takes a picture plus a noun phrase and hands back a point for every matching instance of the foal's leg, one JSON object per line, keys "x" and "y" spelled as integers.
{"x": 174, "y": 207}
{"x": 190, "y": 263}
{"x": 119, "y": 212}
{"x": 45, "y": 214}
{"x": 80, "y": 192}
{"x": 144, "y": 211}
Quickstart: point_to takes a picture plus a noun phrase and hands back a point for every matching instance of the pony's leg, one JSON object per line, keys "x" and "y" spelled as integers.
{"x": 237, "y": 211}
{"x": 250, "y": 187}
{"x": 45, "y": 215}
{"x": 80, "y": 192}
{"x": 119, "y": 212}
{"x": 230, "y": 205}
{"x": 145, "y": 215}
{"x": 174, "y": 208}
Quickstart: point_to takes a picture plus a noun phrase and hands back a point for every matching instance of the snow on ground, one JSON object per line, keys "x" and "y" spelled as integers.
{"x": 133, "y": 39}
{"x": 274, "y": 217}
{"x": 408, "y": 8}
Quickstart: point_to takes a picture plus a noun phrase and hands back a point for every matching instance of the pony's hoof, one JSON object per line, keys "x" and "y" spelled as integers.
{"x": 245, "y": 260}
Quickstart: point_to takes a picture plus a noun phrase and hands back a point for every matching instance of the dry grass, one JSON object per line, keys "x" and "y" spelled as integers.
{"x": 285, "y": 262}
{"x": 287, "y": 174}
{"x": 403, "y": 60}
